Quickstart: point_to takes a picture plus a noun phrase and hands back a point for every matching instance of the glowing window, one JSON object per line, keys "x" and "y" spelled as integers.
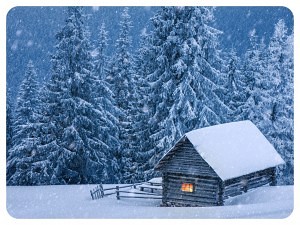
{"x": 187, "y": 187}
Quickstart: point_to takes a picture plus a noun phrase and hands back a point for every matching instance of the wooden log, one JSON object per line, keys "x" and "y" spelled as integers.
{"x": 249, "y": 176}
{"x": 209, "y": 198}
{"x": 192, "y": 181}
{"x": 193, "y": 194}
{"x": 259, "y": 183}
{"x": 191, "y": 202}
{"x": 191, "y": 171}
{"x": 190, "y": 176}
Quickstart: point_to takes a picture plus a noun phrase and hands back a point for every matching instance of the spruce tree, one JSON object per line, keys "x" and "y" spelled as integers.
{"x": 9, "y": 122}
{"x": 26, "y": 162}
{"x": 121, "y": 77}
{"x": 257, "y": 85}
{"x": 185, "y": 77}
{"x": 79, "y": 155}
{"x": 101, "y": 57}
{"x": 105, "y": 103}
{"x": 140, "y": 114}
{"x": 281, "y": 129}
{"x": 234, "y": 96}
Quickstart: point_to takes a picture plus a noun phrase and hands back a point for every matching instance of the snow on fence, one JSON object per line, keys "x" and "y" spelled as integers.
{"x": 99, "y": 192}
{"x": 142, "y": 194}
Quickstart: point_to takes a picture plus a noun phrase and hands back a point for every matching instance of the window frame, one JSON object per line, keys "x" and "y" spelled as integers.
{"x": 188, "y": 189}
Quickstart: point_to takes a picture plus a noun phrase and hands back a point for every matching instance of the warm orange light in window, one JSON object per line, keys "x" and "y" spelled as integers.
{"x": 187, "y": 187}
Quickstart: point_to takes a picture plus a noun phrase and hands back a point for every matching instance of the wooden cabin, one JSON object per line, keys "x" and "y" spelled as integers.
{"x": 208, "y": 165}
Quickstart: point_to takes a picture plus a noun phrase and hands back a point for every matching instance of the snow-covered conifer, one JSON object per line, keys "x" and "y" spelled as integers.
{"x": 105, "y": 104}
{"x": 280, "y": 69}
{"x": 121, "y": 77}
{"x": 100, "y": 52}
{"x": 257, "y": 86}
{"x": 185, "y": 77}
{"x": 78, "y": 156}
{"x": 9, "y": 121}
{"x": 25, "y": 164}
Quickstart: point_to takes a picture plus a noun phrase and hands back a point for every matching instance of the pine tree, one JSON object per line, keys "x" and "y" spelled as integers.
{"x": 25, "y": 162}
{"x": 185, "y": 77}
{"x": 77, "y": 156}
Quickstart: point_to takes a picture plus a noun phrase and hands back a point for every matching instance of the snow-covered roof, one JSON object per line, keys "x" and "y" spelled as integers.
{"x": 234, "y": 149}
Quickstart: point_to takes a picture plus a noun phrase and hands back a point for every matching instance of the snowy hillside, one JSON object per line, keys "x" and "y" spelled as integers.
{"x": 74, "y": 201}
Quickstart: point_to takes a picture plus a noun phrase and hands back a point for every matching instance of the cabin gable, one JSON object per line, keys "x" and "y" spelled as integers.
{"x": 183, "y": 166}
{"x": 184, "y": 159}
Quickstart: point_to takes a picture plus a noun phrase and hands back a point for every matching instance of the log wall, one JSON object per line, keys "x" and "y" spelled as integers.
{"x": 205, "y": 190}
{"x": 247, "y": 182}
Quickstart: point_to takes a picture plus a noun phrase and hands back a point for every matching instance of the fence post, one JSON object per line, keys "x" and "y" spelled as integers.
{"x": 101, "y": 190}
{"x": 92, "y": 195}
{"x": 117, "y": 191}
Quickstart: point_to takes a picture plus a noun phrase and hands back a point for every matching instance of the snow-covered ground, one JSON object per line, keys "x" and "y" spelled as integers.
{"x": 74, "y": 201}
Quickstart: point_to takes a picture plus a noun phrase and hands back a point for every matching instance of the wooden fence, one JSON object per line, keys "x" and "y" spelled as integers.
{"x": 99, "y": 192}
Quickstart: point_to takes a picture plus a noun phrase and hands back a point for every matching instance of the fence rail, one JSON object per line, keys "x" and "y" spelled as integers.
{"x": 139, "y": 193}
{"x": 99, "y": 192}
